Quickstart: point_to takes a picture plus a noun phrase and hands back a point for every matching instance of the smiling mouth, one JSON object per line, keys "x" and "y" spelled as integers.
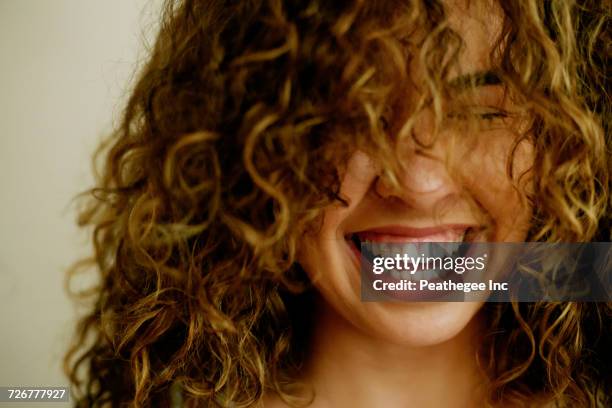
{"x": 445, "y": 242}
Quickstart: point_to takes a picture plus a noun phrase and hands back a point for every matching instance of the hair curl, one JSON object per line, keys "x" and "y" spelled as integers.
{"x": 232, "y": 143}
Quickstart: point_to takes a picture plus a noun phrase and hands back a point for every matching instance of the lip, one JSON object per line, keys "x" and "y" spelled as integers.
{"x": 395, "y": 233}
{"x": 399, "y": 234}
{"x": 407, "y": 234}
{"x": 405, "y": 296}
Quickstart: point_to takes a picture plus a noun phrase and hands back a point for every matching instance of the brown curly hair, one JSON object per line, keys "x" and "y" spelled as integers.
{"x": 230, "y": 146}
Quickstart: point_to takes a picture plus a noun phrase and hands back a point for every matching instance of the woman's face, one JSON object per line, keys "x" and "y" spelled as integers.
{"x": 440, "y": 197}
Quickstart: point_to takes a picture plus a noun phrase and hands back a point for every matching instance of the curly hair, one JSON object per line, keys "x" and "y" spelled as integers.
{"x": 231, "y": 145}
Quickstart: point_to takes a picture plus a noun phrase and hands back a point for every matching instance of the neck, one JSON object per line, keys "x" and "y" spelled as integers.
{"x": 349, "y": 368}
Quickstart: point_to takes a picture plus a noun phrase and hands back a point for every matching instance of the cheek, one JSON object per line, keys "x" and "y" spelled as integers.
{"x": 356, "y": 182}
{"x": 323, "y": 243}
{"x": 484, "y": 173}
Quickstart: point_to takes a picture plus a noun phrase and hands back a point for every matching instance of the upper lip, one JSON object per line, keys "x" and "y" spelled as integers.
{"x": 416, "y": 232}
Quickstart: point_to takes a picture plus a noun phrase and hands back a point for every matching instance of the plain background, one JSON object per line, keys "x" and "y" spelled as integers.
{"x": 65, "y": 69}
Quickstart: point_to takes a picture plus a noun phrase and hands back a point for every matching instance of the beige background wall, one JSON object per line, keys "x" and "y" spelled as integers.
{"x": 64, "y": 70}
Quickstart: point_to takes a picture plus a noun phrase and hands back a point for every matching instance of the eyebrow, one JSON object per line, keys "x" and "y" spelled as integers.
{"x": 475, "y": 79}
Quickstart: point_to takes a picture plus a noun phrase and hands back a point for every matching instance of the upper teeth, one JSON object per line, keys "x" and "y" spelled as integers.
{"x": 411, "y": 249}
{"x": 414, "y": 250}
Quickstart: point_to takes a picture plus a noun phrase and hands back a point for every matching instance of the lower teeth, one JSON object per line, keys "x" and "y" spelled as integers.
{"x": 429, "y": 274}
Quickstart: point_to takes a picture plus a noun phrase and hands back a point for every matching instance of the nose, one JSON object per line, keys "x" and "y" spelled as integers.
{"x": 423, "y": 182}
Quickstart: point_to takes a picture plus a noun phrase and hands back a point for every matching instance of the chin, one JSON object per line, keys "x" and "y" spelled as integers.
{"x": 418, "y": 324}
{"x": 412, "y": 324}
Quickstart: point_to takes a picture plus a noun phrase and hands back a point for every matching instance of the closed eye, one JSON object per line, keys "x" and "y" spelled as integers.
{"x": 487, "y": 116}
{"x": 478, "y": 112}
{"x": 493, "y": 115}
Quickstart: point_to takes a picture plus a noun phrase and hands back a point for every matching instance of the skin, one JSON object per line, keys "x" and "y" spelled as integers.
{"x": 411, "y": 354}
